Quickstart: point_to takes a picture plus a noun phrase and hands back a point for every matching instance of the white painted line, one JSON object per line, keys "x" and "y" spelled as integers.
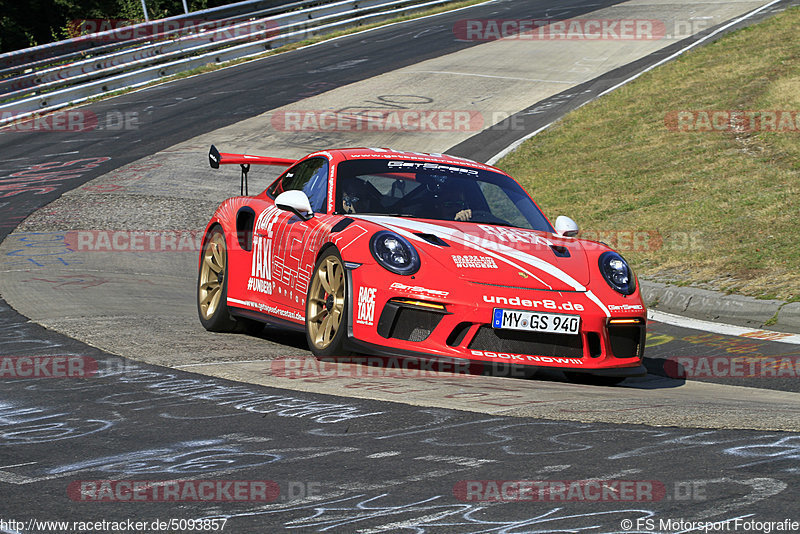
{"x": 720, "y": 328}
{"x": 299, "y": 357}
{"x": 465, "y": 461}
{"x": 18, "y": 465}
{"x": 60, "y": 154}
{"x": 493, "y": 76}
{"x": 513, "y": 146}
{"x": 384, "y": 454}
{"x": 554, "y": 468}
{"x": 110, "y": 138}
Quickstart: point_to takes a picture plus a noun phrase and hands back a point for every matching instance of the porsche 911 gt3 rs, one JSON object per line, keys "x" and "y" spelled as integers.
{"x": 409, "y": 254}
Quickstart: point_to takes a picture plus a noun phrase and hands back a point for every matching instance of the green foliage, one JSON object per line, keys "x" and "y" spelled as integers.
{"x": 36, "y": 22}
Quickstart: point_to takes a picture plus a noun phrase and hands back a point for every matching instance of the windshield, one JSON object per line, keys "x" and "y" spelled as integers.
{"x": 435, "y": 191}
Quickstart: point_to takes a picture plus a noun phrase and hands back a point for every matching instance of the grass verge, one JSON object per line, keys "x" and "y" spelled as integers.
{"x": 716, "y": 209}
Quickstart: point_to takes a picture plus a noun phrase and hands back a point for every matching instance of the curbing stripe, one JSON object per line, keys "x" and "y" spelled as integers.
{"x": 722, "y": 328}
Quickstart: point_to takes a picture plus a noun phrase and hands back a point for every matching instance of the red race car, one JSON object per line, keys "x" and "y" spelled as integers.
{"x": 408, "y": 254}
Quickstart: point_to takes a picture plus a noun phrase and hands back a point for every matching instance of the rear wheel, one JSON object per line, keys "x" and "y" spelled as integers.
{"x": 212, "y": 284}
{"x": 326, "y": 306}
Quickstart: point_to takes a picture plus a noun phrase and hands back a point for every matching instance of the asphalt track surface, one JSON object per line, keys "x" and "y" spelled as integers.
{"x": 341, "y": 464}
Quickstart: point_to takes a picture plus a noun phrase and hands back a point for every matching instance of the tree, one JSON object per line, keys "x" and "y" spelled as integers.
{"x": 36, "y": 22}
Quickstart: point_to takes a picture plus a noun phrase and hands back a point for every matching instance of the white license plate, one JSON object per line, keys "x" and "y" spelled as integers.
{"x": 553, "y": 323}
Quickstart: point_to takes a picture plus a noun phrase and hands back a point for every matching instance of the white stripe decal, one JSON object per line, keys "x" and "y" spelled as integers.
{"x": 533, "y": 261}
{"x": 599, "y": 303}
{"x": 414, "y": 237}
{"x": 483, "y": 250}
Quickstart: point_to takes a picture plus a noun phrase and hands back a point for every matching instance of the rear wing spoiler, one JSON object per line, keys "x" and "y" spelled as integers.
{"x": 217, "y": 158}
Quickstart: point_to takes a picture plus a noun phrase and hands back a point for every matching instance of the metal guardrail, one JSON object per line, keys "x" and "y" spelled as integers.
{"x": 126, "y": 65}
{"x": 96, "y": 43}
{"x": 163, "y": 46}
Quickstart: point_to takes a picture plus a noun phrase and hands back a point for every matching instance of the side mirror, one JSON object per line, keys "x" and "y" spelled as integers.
{"x": 566, "y": 227}
{"x": 297, "y": 202}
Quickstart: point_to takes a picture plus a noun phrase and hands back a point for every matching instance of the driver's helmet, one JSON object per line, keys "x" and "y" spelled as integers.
{"x": 436, "y": 183}
{"x": 354, "y": 196}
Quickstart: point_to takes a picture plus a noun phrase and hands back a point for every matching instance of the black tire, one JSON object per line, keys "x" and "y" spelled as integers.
{"x": 326, "y": 306}
{"x": 593, "y": 380}
{"x": 212, "y": 284}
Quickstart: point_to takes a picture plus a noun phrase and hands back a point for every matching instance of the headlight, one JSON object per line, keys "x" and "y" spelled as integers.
{"x": 617, "y": 273}
{"x": 394, "y": 253}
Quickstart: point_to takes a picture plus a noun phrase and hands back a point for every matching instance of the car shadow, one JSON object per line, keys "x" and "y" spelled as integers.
{"x": 281, "y": 336}
{"x": 661, "y": 373}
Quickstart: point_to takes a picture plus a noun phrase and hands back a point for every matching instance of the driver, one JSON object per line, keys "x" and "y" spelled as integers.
{"x": 464, "y": 215}
{"x": 449, "y": 195}
{"x": 350, "y": 202}
{"x": 357, "y": 196}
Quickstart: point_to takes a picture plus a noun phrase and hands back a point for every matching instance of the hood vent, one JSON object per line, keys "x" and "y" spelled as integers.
{"x": 432, "y": 239}
{"x": 341, "y": 225}
{"x": 561, "y": 252}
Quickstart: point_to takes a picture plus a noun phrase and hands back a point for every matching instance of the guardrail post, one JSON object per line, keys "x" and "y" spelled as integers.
{"x": 144, "y": 8}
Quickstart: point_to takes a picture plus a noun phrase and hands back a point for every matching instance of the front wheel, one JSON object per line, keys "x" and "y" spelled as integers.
{"x": 326, "y": 306}
{"x": 212, "y": 284}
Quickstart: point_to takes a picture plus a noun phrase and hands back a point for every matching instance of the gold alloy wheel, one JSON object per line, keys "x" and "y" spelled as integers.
{"x": 326, "y": 302}
{"x": 212, "y": 275}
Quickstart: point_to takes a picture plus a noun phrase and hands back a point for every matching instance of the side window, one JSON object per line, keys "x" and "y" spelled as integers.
{"x": 310, "y": 177}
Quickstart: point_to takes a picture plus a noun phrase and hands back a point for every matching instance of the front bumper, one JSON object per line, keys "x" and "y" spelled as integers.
{"x": 415, "y": 321}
